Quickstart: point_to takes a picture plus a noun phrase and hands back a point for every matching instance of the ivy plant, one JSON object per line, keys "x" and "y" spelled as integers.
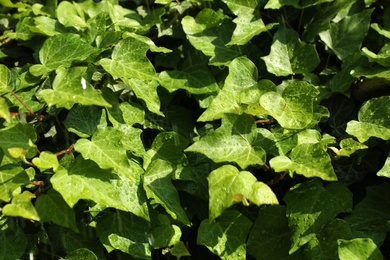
{"x": 194, "y": 129}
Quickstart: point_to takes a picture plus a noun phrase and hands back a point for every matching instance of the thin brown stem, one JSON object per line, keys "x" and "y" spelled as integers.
{"x": 67, "y": 150}
{"x": 22, "y": 102}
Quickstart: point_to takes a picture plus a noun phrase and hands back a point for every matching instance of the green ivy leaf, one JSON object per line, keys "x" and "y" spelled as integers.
{"x": 11, "y": 178}
{"x": 359, "y": 248}
{"x": 83, "y": 120}
{"x": 349, "y": 146}
{"x": 4, "y": 110}
{"x": 197, "y": 79}
{"x": 125, "y": 232}
{"x": 227, "y": 186}
{"x": 345, "y": 37}
{"x": 19, "y": 136}
{"x": 13, "y": 240}
{"x": 68, "y": 15}
{"x": 234, "y": 141}
{"x": 373, "y": 212}
{"x": 21, "y": 206}
{"x": 46, "y": 160}
{"x": 70, "y": 87}
{"x": 248, "y": 26}
{"x": 61, "y": 50}
{"x": 85, "y": 180}
{"x": 51, "y": 207}
{"x": 162, "y": 162}
{"x": 129, "y": 61}
{"x": 293, "y": 105}
{"x": 210, "y": 33}
{"x": 308, "y": 159}
{"x": 225, "y": 236}
{"x": 385, "y": 171}
{"x": 81, "y": 253}
{"x": 289, "y": 55}
{"x": 5, "y": 79}
{"x": 382, "y": 58}
{"x": 374, "y": 120}
{"x": 240, "y": 89}
{"x": 305, "y": 200}
{"x": 165, "y": 234}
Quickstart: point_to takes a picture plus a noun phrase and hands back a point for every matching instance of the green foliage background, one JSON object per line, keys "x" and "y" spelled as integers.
{"x": 235, "y": 129}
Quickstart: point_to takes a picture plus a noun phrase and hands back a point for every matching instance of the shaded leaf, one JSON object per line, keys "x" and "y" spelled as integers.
{"x": 125, "y": 232}
{"x": 226, "y": 235}
{"x": 228, "y": 186}
{"x": 51, "y": 207}
{"x": 83, "y": 120}
{"x": 310, "y": 207}
{"x": 346, "y": 36}
{"x": 11, "y": 178}
{"x": 13, "y": 241}
{"x": 19, "y": 136}
{"x": 234, "y": 141}
{"x": 82, "y": 253}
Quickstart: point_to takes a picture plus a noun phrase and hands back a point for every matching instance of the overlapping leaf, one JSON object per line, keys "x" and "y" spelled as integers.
{"x": 19, "y": 136}
{"x": 227, "y": 186}
{"x": 289, "y": 55}
{"x": 21, "y": 206}
{"x": 374, "y": 120}
{"x": 5, "y": 79}
{"x": 293, "y": 106}
{"x": 308, "y": 159}
{"x": 310, "y": 207}
{"x": 358, "y": 248}
{"x": 61, "y": 50}
{"x": 225, "y": 236}
{"x": 11, "y": 178}
{"x": 234, "y": 141}
{"x": 70, "y": 87}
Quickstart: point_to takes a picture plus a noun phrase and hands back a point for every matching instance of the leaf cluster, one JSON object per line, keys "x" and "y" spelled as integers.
{"x": 168, "y": 129}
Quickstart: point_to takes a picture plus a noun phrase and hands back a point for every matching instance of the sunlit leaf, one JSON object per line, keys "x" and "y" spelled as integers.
{"x": 359, "y": 248}
{"x": 21, "y": 206}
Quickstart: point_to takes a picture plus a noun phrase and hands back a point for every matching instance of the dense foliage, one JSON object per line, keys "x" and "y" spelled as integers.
{"x": 232, "y": 129}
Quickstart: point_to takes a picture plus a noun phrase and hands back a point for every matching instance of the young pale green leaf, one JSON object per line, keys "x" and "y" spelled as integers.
{"x": 21, "y": 206}
{"x": 345, "y": 37}
{"x": 380, "y": 30}
{"x": 270, "y": 235}
{"x": 83, "y": 120}
{"x": 148, "y": 41}
{"x": 197, "y": 79}
{"x": 210, "y": 33}
{"x": 293, "y": 108}
{"x": 289, "y": 55}
{"x": 61, "y": 50}
{"x": 51, "y": 207}
{"x": 13, "y": 240}
{"x": 85, "y": 180}
{"x": 129, "y": 61}
{"x": 358, "y": 248}
{"x": 46, "y": 160}
{"x": 11, "y": 178}
{"x": 372, "y": 214}
{"x": 47, "y": 26}
{"x": 227, "y": 186}
{"x": 308, "y": 159}
{"x": 234, "y": 141}
{"x": 125, "y": 232}
{"x": 4, "y": 110}
{"x": 81, "y": 253}
{"x": 374, "y": 120}
{"x": 5, "y": 79}
{"x": 225, "y": 236}
{"x": 385, "y": 171}
{"x": 19, "y": 136}
{"x": 305, "y": 200}
{"x": 242, "y": 76}
{"x": 68, "y": 15}
{"x": 248, "y": 26}
{"x": 242, "y": 7}
{"x": 349, "y": 146}
{"x": 70, "y": 87}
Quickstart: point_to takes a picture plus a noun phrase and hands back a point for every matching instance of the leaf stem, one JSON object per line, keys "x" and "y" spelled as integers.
{"x": 67, "y": 150}
{"x": 22, "y": 102}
